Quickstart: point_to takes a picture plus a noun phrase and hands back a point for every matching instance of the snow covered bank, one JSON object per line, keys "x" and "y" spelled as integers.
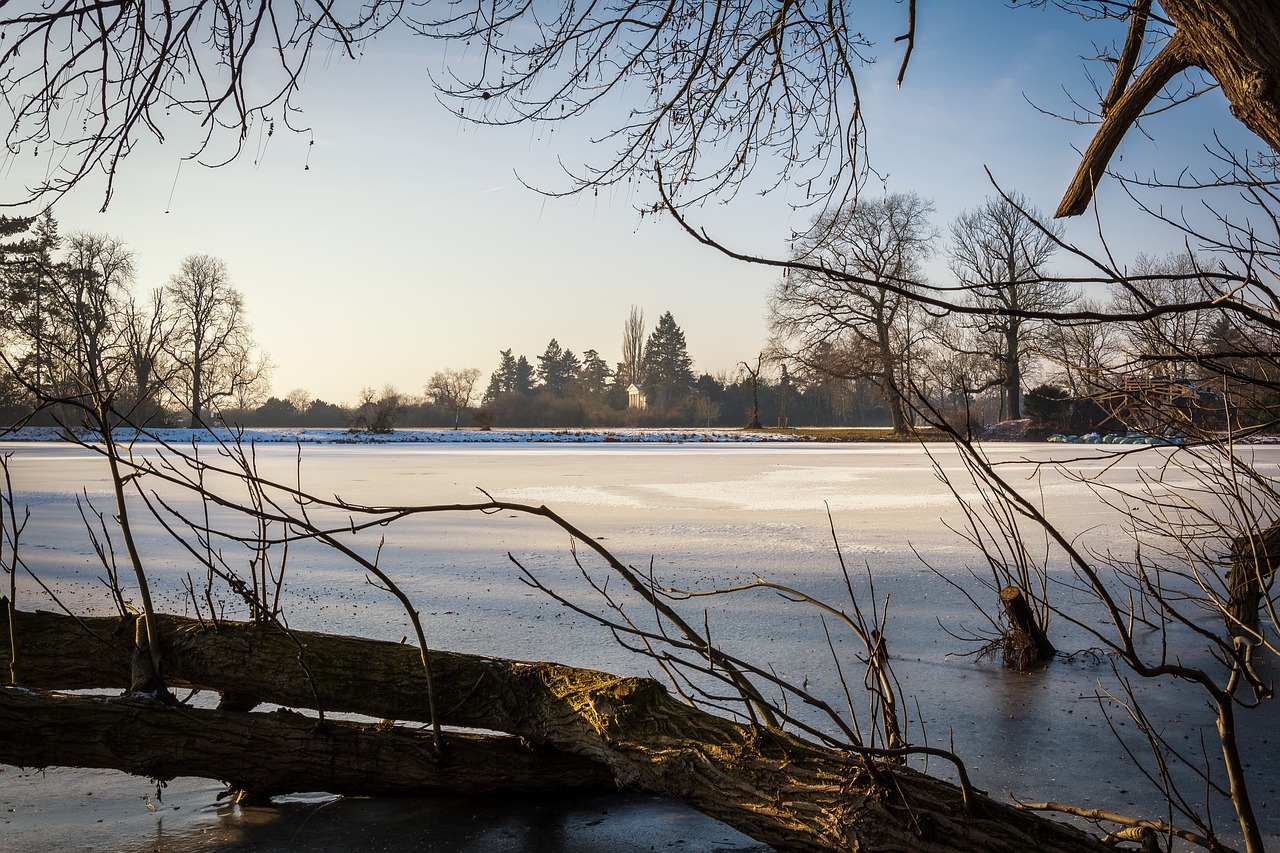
{"x": 422, "y": 436}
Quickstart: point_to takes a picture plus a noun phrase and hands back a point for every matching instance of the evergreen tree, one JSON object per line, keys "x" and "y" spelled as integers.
{"x": 593, "y": 375}
{"x": 503, "y": 380}
{"x": 15, "y": 257}
{"x": 42, "y": 316}
{"x": 26, "y": 266}
{"x": 11, "y": 226}
{"x": 524, "y": 376}
{"x": 570, "y": 367}
{"x": 668, "y": 370}
{"x": 557, "y": 368}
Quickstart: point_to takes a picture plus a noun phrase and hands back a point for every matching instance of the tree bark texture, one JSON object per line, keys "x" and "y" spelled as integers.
{"x": 1037, "y": 647}
{"x": 269, "y": 754}
{"x": 782, "y": 791}
{"x": 1254, "y": 557}
{"x": 1236, "y": 41}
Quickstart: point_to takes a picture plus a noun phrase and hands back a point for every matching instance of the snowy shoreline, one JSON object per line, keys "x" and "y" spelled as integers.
{"x": 566, "y": 435}
{"x": 301, "y": 435}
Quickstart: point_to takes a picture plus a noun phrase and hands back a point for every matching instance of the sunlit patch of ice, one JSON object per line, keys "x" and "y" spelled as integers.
{"x": 613, "y": 498}
{"x": 797, "y": 489}
{"x": 765, "y": 538}
{"x": 37, "y": 497}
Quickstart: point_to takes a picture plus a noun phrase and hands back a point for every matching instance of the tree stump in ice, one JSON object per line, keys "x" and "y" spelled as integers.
{"x": 1253, "y": 565}
{"x": 1025, "y": 643}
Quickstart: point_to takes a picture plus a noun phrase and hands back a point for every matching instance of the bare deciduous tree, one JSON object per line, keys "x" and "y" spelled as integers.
{"x": 376, "y": 412}
{"x": 863, "y": 315}
{"x": 633, "y": 336}
{"x": 148, "y": 328}
{"x": 1086, "y": 355}
{"x": 1170, "y": 343}
{"x": 247, "y": 377}
{"x": 300, "y": 399}
{"x": 453, "y": 389}
{"x": 211, "y": 343}
{"x": 89, "y": 340}
{"x": 998, "y": 252}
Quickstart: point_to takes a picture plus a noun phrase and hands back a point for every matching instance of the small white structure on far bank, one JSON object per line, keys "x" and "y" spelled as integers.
{"x": 636, "y": 398}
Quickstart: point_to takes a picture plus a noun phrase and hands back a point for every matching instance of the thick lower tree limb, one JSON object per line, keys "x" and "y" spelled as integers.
{"x": 269, "y": 754}
{"x": 1238, "y": 43}
{"x": 779, "y": 790}
{"x": 1121, "y": 115}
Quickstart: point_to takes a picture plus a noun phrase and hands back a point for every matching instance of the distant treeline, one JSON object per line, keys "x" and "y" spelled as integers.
{"x": 710, "y": 402}
{"x": 653, "y": 385}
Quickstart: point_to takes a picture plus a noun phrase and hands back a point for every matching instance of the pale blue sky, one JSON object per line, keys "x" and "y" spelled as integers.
{"x": 409, "y": 245}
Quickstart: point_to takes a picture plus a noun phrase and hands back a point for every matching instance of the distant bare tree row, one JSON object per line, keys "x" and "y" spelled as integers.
{"x": 854, "y": 305}
{"x": 73, "y": 327}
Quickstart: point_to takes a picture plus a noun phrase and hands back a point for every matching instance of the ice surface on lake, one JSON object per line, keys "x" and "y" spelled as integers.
{"x": 703, "y": 515}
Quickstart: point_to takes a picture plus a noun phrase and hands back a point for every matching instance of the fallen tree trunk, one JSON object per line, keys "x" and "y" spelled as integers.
{"x": 269, "y": 754}
{"x": 780, "y": 790}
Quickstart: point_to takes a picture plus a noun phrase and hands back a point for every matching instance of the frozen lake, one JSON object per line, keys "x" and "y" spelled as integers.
{"x": 706, "y": 516}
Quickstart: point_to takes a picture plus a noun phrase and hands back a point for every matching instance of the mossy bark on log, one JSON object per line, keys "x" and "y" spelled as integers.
{"x": 142, "y": 677}
{"x": 784, "y": 792}
{"x": 270, "y": 754}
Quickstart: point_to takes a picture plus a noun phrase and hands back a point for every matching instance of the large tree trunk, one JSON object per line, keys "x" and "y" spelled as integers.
{"x": 1235, "y": 41}
{"x": 1254, "y": 557}
{"x": 892, "y": 393}
{"x": 1013, "y": 371}
{"x": 775, "y": 788}
{"x": 1238, "y": 42}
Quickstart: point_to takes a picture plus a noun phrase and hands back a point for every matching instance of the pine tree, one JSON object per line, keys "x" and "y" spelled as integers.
{"x": 26, "y": 266}
{"x": 503, "y": 380}
{"x": 15, "y": 258}
{"x": 524, "y": 376}
{"x": 557, "y": 368}
{"x": 9, "y": 227}
{"x": 593, "y": 376}
{"x": 668, "y": 370}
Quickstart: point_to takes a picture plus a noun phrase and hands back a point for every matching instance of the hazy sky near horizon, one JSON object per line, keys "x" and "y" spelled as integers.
{"x": 409, "y": 245}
